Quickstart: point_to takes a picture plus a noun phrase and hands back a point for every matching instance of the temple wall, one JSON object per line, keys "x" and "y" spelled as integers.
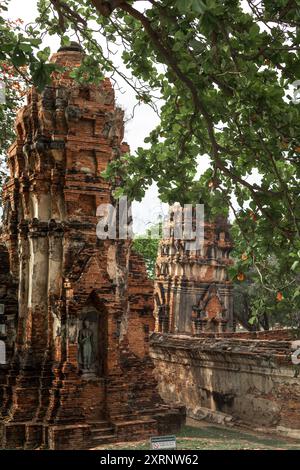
{"x": 8, "y": 304}
{"x": 250, "y": 378}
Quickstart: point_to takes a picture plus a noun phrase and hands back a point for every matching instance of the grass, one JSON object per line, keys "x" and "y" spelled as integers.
{"x": 208, "y": 437}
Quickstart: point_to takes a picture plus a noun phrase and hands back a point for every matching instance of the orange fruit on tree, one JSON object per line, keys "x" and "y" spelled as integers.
{"x": 253, "y": 216}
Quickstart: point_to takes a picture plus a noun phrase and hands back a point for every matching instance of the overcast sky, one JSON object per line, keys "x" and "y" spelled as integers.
{"x": 137, "y": 128}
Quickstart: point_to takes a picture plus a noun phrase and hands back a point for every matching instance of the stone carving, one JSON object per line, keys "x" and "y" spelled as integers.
{"x": 85, "y": 343}
{"x": 209, "y": 313}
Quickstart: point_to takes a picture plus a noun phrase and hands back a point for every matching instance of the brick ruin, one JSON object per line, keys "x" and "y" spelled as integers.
{"x": 192, "y": 290}
{"x": 61, "y": 286}
{"x": 8, "y": 304}
{"x": 242, "y": 378}
{"x": 78, "y": 369}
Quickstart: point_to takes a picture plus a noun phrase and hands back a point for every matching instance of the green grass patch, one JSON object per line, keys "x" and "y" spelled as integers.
{"x": 216, "y": 438}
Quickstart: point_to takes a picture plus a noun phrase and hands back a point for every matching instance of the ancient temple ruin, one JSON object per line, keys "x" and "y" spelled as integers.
{"x": 78, "y": 371}
{"x": 246, "y": 378}
{"x": 192, "y": 291}
{"x": 76, "y": 311}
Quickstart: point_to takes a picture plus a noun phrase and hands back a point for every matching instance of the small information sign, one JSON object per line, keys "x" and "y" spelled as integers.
{"x": 163, "y": 442}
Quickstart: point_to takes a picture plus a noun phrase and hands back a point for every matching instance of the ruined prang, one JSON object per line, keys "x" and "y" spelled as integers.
{"x": 193, "y": 292}
{"x": 78, "y": 370}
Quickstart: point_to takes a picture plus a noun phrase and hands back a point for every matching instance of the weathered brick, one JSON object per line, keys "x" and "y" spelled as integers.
{"x": 66, "y": 276}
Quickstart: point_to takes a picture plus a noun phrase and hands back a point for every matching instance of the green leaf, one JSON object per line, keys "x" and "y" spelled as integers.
{"x": 44, "y": 54}
{"x": 295, "y": 265}
{"x": 254, "y": 31}
{"x": 18, "y": 58}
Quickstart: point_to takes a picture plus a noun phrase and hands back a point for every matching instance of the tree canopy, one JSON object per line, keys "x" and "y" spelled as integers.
{"x": 225, "y": 72}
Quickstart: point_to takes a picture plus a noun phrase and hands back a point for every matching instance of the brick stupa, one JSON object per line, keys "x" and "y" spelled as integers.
{"x": 193, "y": 292}
{"x": 79, "y": 372}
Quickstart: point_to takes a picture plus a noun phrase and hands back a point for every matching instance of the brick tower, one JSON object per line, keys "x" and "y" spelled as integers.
{"x": 80, "y": 373}
{"x": 192, "y": 290}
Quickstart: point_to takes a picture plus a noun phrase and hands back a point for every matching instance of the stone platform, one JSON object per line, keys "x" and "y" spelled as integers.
{"x": 248, "y": 377}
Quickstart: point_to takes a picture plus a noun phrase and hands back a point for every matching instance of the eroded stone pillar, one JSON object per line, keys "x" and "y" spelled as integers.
{"x": 36, "y": 323}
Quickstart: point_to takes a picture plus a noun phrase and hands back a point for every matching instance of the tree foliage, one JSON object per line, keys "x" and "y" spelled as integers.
{"x": 224, "y": 70}
{"x": 21, "y": 49}
{"x": 266, "y": 287}
{"x": 147, "y": 246}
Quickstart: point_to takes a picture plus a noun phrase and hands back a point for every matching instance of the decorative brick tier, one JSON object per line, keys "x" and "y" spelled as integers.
{"x": 70, "y": 283}
{"x": 193, "y": 292}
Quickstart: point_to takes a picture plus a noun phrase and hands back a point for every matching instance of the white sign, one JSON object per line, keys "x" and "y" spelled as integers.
{"x": 163, "y": 442}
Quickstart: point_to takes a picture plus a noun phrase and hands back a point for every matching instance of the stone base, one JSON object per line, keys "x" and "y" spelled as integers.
{"x": 135, "y": 430}
{"x": 39, "y": 436}
{"x": 171, "y": 420}
{"x": 164, "y": 422}
{"x": 79, "y": 436}
{"x": 247, "y": 377}
{"x": 206, "y": 414}
{"x": 21, "y": 435}
{"x": 13, "y": 436}
{"x": 68, "y": 437}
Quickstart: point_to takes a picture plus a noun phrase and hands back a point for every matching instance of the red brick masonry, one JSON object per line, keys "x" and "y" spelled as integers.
{"x": 65, "y": 276}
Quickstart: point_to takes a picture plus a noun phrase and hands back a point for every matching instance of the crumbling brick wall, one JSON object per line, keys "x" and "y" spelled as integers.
{"x": 248, "y": 376}
{"x": 8, "y": 302}
{"x": 70, "y": 281}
